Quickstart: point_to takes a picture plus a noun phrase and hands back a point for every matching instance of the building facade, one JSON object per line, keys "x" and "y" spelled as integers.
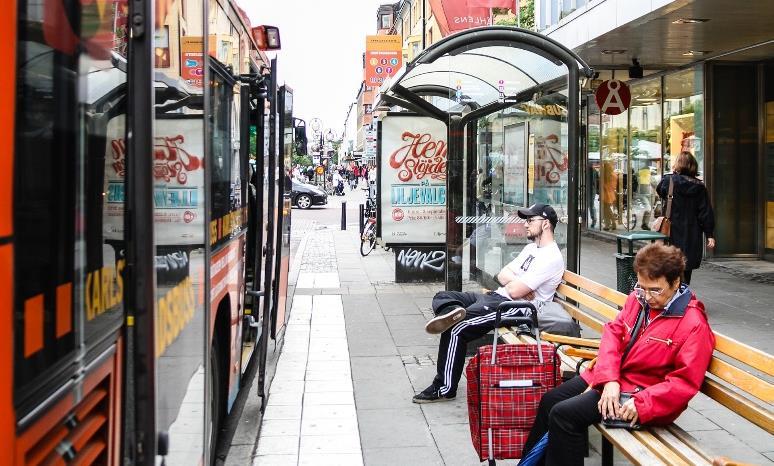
{"x": 701, "y": 75}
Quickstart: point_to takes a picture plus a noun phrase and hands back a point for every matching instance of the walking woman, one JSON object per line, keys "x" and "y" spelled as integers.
{"x": 692, "y": 215}
{"x": 655, "y": 352}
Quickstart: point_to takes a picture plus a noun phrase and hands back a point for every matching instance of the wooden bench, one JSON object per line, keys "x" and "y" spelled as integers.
{"x": 736, "y": 379}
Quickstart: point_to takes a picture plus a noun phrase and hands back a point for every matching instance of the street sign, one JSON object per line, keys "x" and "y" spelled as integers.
{"x": 320, "y": 170}
{"x": 613, "y": 97}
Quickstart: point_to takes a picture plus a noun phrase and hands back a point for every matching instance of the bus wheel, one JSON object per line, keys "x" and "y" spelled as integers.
{"x": 215, "y": 399}
{"x": 303, "y": 201}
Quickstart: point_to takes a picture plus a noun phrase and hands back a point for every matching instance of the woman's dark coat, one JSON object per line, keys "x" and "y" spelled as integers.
{"x": 691, "y": 217}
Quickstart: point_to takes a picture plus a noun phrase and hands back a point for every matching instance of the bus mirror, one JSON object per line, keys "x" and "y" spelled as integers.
{"x": 301, "y": 141}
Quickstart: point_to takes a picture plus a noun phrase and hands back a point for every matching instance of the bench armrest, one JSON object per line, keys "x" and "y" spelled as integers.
{"x": 572, "y": 341}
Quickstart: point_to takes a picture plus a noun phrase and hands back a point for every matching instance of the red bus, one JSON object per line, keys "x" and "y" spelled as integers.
{"x": 142, "y": 259}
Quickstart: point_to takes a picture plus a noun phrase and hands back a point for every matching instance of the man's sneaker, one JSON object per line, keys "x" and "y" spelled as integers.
{"x": 441, "y": 323}
{"x": 431, "y": 395}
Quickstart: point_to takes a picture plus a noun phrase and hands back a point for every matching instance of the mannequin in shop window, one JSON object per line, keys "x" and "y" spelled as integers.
{"x": 607, "y": 195}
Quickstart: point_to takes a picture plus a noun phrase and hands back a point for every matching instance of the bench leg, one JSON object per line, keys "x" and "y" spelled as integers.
{"x": 607, "y": 452}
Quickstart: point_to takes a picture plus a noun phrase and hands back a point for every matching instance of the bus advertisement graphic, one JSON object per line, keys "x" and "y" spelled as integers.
{"x": 178, "y": 174}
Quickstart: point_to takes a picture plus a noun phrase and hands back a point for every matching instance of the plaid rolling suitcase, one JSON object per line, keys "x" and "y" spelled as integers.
{"x": 505, "y": 384}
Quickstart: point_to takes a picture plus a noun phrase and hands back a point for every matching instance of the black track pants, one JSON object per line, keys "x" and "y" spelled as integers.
{"x": 479, "y": 320}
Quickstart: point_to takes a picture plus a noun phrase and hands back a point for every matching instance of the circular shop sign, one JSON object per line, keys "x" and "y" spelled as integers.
{"x": 613, "y": 97}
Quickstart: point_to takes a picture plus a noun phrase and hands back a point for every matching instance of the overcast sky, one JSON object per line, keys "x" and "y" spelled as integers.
{"x": 322, "y": 43}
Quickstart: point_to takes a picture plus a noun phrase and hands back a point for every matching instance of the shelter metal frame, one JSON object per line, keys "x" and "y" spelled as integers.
{"x": 411, "y": 98}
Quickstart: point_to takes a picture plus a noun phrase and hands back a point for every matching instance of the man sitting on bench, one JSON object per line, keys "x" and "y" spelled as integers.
{"x": 464, "y": 316}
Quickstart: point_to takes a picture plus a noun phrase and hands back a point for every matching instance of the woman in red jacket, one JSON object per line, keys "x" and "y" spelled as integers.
{"x": 663, "y": 367}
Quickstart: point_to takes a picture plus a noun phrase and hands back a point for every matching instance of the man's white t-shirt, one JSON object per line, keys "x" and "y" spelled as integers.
{"x": 540, "y": 268}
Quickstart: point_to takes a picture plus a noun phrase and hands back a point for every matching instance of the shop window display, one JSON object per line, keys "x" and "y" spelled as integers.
{"x": 644, "y": 161}
{"x": 684, "y": 116}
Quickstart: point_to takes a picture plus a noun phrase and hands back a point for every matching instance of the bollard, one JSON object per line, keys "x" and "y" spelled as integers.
{"x": 362, "y": 219}
{"x": 344, "y": 215}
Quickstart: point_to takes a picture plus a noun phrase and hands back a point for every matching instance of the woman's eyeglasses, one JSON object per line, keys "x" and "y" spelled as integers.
{"x": 641, "y": 292}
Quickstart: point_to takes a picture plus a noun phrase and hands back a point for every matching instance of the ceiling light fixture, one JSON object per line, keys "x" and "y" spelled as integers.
{"x": 613, "y": 51}
{"x": 690, "y": 20}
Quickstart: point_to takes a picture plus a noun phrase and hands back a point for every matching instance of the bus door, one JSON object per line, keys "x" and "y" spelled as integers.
{"x": 284, "y": 165}
{"x": 166, "y": 199}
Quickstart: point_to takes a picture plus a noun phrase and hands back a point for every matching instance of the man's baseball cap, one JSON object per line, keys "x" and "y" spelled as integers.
{"x": 539, "y": 210}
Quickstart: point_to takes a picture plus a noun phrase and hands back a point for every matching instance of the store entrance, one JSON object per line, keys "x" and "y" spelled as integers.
{"x": 736, "y": 163}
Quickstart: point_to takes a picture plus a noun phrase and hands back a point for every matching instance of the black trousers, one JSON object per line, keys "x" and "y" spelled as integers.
{"x": 687, "y": 276}
{"x": 479, "y": 320}
{"x": 566, "y": 413}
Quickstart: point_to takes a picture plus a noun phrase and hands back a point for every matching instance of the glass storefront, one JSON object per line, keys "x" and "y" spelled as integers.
{"x": 627, "y": 154}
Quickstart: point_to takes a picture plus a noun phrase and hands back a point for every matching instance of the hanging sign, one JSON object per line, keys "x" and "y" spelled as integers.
{"x": 613, "y": 97}
{"x": 412, "y": 151}
{"x": 383, "y": 58}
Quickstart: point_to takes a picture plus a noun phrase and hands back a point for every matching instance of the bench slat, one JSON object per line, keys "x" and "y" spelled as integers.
{"x": 753, "y": 357}
{"x": 582, "y": 317}
{"x": 658, "y": 448}
{"x": 685, "y": 446}
{"x": 605, "y": 310}
{"x": 756, "y": 414}
{"x": 600, "y": 290}
{"x": 632, "y": 448}
{"x": 756, "y": 387}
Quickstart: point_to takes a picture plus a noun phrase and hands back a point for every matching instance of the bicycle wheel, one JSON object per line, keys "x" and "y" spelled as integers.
{"x": 368, "y": 240}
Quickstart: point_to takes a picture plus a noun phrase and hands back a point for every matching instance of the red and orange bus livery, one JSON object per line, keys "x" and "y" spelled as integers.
{"x": 144, "y": 236}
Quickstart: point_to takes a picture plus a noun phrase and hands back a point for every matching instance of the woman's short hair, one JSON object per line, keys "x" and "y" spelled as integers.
{"x": 657, "y": 260}
{"x": 686, "y": 164}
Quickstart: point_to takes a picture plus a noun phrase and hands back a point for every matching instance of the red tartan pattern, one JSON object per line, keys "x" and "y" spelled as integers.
{"x": 510, "y": 412}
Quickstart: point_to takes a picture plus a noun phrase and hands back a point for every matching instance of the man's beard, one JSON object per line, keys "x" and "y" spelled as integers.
{"x": 533, "y": 236}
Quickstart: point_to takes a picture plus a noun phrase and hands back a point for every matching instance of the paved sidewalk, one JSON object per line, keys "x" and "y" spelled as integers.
{"x": 391, "y": 358}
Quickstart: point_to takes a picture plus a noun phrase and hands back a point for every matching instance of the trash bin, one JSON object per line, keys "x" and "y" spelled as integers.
{"x": 624, "y": 259}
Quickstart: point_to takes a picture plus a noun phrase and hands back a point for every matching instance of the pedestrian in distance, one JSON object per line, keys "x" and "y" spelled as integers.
{"x": 692, "y": 216}
{"x": 464, "y": 316}
{"x": 338, "y": 183}
{"x": 653, "y": 355}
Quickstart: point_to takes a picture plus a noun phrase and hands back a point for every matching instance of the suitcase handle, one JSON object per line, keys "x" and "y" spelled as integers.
{"x": 531, "y": 320}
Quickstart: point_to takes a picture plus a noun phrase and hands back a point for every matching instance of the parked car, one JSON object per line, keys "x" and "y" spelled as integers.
{"x": 306, "y": 195}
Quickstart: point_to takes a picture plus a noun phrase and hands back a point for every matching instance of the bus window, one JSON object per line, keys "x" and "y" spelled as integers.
{"x": 67, "y": 270}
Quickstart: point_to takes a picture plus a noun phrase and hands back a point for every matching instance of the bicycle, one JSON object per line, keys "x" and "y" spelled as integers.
{"x": 368, "y": 238}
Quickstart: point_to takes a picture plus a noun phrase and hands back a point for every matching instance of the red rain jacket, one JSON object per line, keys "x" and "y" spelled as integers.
{"x": 666, "y": 364}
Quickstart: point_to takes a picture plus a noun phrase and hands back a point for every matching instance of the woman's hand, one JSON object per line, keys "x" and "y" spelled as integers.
{"x": 628, "y": 412}
{"x": 711, "y": 243}
{"x": 608, "y": 402}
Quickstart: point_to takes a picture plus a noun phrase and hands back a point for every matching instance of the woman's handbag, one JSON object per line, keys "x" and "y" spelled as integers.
{"x": 663, "y": 224}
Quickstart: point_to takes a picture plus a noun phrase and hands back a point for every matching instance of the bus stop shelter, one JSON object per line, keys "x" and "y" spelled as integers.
{"x": 510, "y": 100}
